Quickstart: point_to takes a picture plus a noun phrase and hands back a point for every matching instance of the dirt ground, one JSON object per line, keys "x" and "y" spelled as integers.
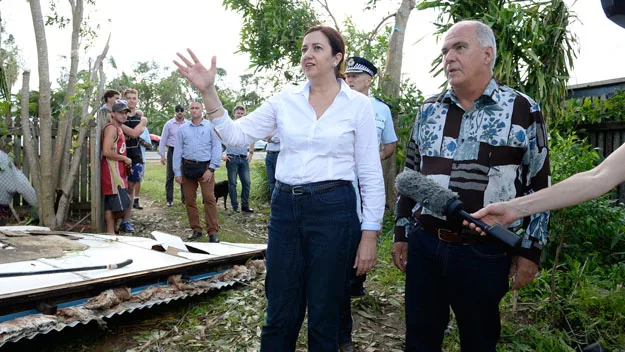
{"x": 378, "y": 317}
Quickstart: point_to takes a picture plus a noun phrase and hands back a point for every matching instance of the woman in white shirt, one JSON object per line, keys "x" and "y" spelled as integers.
{"x": 327, "y": 130}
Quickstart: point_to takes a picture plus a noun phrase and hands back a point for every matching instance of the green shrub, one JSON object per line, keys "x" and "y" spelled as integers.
{"x": 590, "y": 308}
{"x": 260, "y": 188}
{"x": 588, "y": 110}
{"x": 594, "y": 228}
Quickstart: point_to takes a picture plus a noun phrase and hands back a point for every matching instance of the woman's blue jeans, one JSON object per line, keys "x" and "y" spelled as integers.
{"x": 311, "y": 240}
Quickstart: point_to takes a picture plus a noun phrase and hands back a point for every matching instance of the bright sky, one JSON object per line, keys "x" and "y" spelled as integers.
{"x": 144, "y": 30}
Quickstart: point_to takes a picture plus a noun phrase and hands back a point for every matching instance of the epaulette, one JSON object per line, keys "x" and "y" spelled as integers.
{"x": 385, "y": 103}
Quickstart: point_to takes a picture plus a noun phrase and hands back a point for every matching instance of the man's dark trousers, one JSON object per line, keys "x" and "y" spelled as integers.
{"x": 169, "y": 181}
{"x": 472, "y": 278}
{"x": 271, "y": 160}
{"x": 238, "y": 165}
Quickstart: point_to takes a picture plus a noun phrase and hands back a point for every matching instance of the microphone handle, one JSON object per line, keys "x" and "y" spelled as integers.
{"x": 499, "y": 232}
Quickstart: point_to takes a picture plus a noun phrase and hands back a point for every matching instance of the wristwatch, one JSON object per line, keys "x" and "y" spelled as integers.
{"x": 211, "y": 169}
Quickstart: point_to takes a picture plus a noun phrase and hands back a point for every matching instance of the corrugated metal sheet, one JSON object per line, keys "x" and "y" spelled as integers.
{"x": 32, "y": 325}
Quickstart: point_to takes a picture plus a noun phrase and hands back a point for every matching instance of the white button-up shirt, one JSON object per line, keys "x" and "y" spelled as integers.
{"x": 342, "y": 140}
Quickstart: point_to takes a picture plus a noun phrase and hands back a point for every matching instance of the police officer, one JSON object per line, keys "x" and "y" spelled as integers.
{"x": 360, "y": 73}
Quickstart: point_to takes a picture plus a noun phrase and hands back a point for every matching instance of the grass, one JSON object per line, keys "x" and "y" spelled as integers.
{"x": 154, "y": 182}
{"x": 233, "y": 226}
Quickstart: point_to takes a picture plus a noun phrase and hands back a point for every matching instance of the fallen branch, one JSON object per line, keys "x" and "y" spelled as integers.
{"x": 79, "y": 221}
{"x": 14, "y": 213}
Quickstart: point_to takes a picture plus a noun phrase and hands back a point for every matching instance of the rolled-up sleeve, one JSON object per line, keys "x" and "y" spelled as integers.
{"x": 247, "y": 130}
{"x": 388, "y": 134}
{"x": 369, "y": 170}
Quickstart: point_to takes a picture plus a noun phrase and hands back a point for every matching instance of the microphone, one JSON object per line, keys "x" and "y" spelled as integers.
{"x": 442, "y": 201}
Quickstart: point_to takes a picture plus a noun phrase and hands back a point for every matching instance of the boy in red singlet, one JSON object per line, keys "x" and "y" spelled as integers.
{"x": 113, "y": 167}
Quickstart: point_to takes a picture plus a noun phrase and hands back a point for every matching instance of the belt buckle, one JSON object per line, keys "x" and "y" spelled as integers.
{"x": 444, "y": 235}
{"x": 297, "y": 190}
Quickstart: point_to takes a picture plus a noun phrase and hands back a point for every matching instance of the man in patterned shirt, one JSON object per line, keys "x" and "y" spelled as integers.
{"x": 488, "y": 143}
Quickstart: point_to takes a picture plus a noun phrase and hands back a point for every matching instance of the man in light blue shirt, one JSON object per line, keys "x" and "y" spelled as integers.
{"x": 168, "y": 139}
{"x": 238, "y": 163}
{"x": 196, "y": 156}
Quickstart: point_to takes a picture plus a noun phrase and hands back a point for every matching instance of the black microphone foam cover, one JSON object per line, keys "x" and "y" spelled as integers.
{"x": 424, "y": 191}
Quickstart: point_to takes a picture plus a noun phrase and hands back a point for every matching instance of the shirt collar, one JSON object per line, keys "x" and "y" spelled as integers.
{"x": 204, "y": 122}
{"x": 490, "y": 94}
{"x": 345, "y": 89}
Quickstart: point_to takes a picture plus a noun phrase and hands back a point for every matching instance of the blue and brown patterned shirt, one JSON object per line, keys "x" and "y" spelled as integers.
{"x": 494, "y": 152}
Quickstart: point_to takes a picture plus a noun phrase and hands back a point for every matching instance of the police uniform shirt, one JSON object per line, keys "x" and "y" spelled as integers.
{"x": 383, "y": 122}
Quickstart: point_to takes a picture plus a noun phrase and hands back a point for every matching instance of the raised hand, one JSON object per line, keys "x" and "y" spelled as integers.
{"x": 201, "y": 78}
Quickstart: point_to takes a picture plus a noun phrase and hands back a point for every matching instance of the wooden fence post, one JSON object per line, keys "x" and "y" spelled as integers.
{"x": 97, "y": 208}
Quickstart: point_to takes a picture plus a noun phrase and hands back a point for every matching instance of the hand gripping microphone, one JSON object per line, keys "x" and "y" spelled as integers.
{"x": 442, "y": 201}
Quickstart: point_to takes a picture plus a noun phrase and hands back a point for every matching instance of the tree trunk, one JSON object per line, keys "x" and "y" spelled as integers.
{"x": 46, "y": 202}
{"x": 29, "y": 144}
{"x": 63, "y": 143}
{"x": 97, "y": 213}
{"x": 64, "y": 201}
{"x": 390, "y": 87}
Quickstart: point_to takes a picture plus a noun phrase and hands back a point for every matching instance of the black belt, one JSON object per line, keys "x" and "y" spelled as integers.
{"x": 273, "y": 152}
{"x": 237, "y": 155}
{"x": 195, "y": 162}
{"x": 309, "y": 188}
{"x": 464, "y": 236}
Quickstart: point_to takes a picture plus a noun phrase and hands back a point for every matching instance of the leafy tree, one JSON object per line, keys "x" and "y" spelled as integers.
{"x": 53, "y": 167}
{"x": 9, "y": 67}
{"x": 272, "y": 31}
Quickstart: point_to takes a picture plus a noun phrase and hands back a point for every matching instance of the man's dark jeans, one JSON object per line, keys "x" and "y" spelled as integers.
{"x": 238, "y": 165}
{"x": 271, "y": 159}
{"x": 472, "y": 278}
{"x": 169, "y": 181}
{"x": 311, "y": 239}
